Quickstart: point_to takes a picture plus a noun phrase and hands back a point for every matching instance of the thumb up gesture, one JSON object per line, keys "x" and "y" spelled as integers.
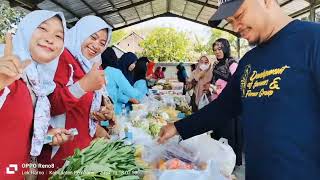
{"x": 93, "y": 80}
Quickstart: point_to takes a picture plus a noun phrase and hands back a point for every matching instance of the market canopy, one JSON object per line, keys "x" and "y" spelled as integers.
{"x": 123, "y": 13}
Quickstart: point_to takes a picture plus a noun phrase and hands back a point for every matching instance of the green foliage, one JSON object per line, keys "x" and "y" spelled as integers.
{"x": 9, "y": 19}
{"x": 101, "y": 160}
{"x": 166, "y": 45}
{"x": 200, "y": 47}
{"x": 118, "y": 36}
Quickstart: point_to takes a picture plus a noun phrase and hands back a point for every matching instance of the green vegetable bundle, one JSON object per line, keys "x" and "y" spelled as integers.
{"x": 101, "y": 161}
{"x": 182, "y": 105}
{"x": 154, "y": 129}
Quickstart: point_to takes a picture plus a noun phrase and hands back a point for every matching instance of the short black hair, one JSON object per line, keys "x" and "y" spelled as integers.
{"x": 164, "y": 68}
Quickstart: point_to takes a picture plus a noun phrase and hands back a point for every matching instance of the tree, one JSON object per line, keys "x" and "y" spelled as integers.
{"x": 200, "y": 47}
{"x": 10, "y": 17}
{"x": 166, "y": 45}
{"x": 117, "y": 36}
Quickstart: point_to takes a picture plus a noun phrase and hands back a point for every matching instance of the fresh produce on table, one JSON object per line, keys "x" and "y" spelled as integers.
{"x": 182, "y": 105}
{"x": 161, "y": 81}
{"x": 163, "y": 85}
{"x": 156, "y": 117}
{"x": 171, "y": 112}
{"x": 167, "y": 86}
{"x": 151, "y": 124}
{"x": 184, "y": 109}
{"x": 176, "y": 163}
{"x": 155, "y": 129}
{"x": 136, "y": 107}
{"x": 142, "y": 124}
{"x": 177, "y": 85}
{"x": 138, "y": 156}
{"x": 101, "y": 160}
{"x": 158, "y": 97}
{"x": 157, "y": 87}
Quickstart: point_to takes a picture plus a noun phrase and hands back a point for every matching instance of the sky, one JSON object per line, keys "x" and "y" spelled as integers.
{"x": 203, "y": 32}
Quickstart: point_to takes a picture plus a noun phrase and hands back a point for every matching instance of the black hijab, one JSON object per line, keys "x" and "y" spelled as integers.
{"x": 109, "y": 58}
{"x": 140, "y": 70}
{"x": 221, "y": 70}
{"x": 125, "y": 61}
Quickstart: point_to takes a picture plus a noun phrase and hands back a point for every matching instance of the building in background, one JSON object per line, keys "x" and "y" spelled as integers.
{"x": 119, "y": 52}
{"x": 131, "y": 43}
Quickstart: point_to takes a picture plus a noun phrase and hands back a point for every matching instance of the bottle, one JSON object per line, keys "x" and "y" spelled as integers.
{"x": 128, "y": 135}
{"x": 123, "y": 110}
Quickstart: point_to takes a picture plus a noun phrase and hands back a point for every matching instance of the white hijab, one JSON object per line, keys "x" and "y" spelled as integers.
{"x": 39, "y": 76}
{"x": 83, "y": 29}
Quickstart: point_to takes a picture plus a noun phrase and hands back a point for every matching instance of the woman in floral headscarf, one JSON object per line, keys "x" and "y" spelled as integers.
{"x": 24, "y": 105}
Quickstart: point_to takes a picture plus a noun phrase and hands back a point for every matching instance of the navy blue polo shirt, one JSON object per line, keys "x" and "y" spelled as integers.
{"x": 276, "y": 91}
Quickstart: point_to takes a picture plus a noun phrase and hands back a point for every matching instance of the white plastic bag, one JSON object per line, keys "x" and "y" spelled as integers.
{"x": 203, "y": 101}
{"x": 227, "y": 157}
{"x": 141, "y": 137}
{"x": 211, "y": 173}
{"x": 210, "y": 149}
{"x": 189, "y": 95}
{"x": 154, "y": 152}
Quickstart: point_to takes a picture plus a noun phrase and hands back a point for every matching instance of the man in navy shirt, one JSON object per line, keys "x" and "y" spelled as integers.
{"x": 276, "y": 91}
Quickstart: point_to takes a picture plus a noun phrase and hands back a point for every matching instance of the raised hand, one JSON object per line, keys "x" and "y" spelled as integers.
{"x": 167, "y": 132}
{"x": 93, "y": 80}
{"x": 11, "y": 68}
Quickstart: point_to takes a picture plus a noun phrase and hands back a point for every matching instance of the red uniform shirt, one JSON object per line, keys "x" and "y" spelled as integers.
{"x": 77, "y": 112}
{"x": 16, "y": 116}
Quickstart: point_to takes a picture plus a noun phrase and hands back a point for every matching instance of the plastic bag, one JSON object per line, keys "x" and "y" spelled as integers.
{"x": 177, "y": 151}
{"x": 141, "y": 137}
{"x": 168, "y": 101}
{"x": 178, "y": 164}
{"x": 211, "y": 173}
{"x": 189, "y": 95}
{"x": 177, "y": 85}
{"x": 151, "y": 104}
{"x": 137, "y": 115}
{"x": 154, "y": 151}
{"x": 210, "y": 149}
{"x": 203, "y": 101}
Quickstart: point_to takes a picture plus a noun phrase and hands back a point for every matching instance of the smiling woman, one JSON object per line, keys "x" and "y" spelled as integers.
{"x": 94, "y": 44}
{"x": 24, "y": 106}
{"x": 77, "y": 100}
{"x": 47, "y": 40}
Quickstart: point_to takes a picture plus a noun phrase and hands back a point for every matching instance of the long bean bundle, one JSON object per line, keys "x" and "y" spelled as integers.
{"x": 103, "y": 161}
